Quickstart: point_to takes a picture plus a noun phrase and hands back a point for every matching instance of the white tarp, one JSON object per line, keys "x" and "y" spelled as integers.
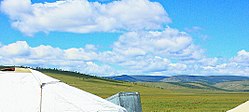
{"x": 21, "y": 92}
{"x": 241, "y": 108}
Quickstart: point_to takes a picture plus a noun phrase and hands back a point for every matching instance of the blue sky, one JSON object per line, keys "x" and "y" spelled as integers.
{"x": 225, "y": 22}
{"x": 105, "y": 37}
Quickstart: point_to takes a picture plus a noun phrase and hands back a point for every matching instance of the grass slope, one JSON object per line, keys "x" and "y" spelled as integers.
{"x": 164, "y": 98}
{"x": 138, "y": 78}
{"x": 234, "y": 85}
{"x": 204, "y": 79}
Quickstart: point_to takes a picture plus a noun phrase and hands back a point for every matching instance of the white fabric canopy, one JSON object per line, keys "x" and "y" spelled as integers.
{"x": 241, "y": 108}
{"x": 36, "y": 92}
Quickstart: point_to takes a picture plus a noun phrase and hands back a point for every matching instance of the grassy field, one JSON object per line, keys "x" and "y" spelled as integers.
{"x": 158, "y": 97}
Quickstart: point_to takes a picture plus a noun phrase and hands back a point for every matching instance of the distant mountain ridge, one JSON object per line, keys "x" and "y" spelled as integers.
{"x": 179, "y": 78}
{"x": 205, "y": 79}
{"x": 138, "y": 78}
{"x": 222, "y": 83}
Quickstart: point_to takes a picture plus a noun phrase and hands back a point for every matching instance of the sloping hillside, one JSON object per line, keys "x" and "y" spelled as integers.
{"x": 217, "y": 83}
{"x": 179, "y": 78}
{"x": 172, "y": 98}
{"x": 138, "y": 78}
{"x": 234, "y": 85}
{"x": 204, "y": 79}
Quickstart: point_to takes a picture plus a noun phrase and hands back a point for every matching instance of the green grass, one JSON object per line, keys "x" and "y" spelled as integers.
{"x": 158, "y": 97}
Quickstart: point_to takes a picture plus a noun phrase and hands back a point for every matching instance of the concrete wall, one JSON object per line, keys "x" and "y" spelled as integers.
{"x": 129, "y": 100}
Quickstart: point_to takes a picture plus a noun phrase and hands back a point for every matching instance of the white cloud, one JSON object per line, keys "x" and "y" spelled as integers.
{"x": 80, "y": 59}
{"x": 152, "y": 51}
{"x": 242, "y": 57}
{"x": 47, "y": 52}
{"x": 93, "y": 68}
{"x": 20, "y": 48}
{"x": 82, "y": 16}
{"x": 170, "y": 52}
{"x": 88, "y": 60}
{"x": 16, "y": 8}
{"x": 146, "y": 64}
{"x": 238, "y": 65}
{"x": 79, "y": 54}
{"x": 144, "y": 52}
{"x": 170, "y": 43}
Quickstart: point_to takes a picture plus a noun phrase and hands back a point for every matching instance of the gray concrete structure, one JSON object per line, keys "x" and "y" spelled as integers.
{"x": 129, "y": 100}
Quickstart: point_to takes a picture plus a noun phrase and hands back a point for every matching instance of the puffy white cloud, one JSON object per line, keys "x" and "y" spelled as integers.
{"x": 170, "y": 43}
{"x": 80, "y": 59}
{"x": 47, "y": 52}
{"x": 146, "y": 64}
{"x": 238, "y": 65}
{"x": 89, "y": 60}
{"x": 153, "y": 51}
{"x": 170, "y": 52}
{"x": 20, "y": 48}
{"x": 136, "y": 52}
{"x": 93, "y": 68}
{"x": 82, "y": 16}
{"x": 80, "y": 54}
{"x": 16, "y": 8}
{"x": 177, "y": 67}
{"x": 242, "y": 57}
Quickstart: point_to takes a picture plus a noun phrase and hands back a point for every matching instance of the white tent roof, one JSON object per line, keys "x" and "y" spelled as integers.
{"x": 36, "y": 92}
{"x": 241, "y": 108}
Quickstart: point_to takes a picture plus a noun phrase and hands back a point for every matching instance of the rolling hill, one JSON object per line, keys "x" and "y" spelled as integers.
{"x": 179, "y": 78}
{"x": 204, "y": 79}
{"x": 222, "y": 83}
{"x": 138, "y": 78}
{"x": 157, "y": 96}
{"x": 234, "y": 85}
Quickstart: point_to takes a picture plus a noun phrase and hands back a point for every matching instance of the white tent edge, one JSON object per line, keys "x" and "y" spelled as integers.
{"x": 244, "y": 107}
{"x": 54, "y": 95}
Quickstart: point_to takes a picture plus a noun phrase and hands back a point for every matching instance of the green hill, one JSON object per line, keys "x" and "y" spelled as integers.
{"x": 164, "y": 98}
{"x": 234, "y": 85}
{"x": 215, "y": 83}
